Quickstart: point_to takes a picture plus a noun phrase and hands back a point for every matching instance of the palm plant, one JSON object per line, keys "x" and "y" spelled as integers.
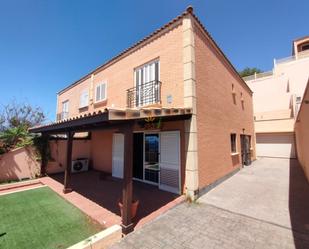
{"x": 15, "y": 137}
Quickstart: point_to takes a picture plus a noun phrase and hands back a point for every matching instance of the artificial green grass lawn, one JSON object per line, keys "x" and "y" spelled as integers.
{"x": 39, "y": 218}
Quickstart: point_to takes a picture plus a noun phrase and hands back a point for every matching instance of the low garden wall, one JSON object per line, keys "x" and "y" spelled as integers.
{"x": 19, "y": 164}
{"x": 101, "y": 240}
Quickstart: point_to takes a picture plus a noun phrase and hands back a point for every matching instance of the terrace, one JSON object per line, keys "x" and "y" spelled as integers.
{"x": 97, "y": 195}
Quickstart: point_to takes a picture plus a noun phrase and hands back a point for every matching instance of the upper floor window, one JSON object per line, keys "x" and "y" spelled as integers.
{"x": 147, "y": 84}
{"x": 65, "y": 109}
{"x": 83, "y": 101}
{"x": 305, "y": 47}
{"x": 233, "y": 143}
{"x": 100, "y": 92}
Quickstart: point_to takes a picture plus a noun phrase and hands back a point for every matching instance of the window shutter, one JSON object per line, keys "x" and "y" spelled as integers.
{"x": 83, "y": 99}
{"x": 103, "y": 91}
{"x": 170, "y": 161}
{"x": 98, "y": 93}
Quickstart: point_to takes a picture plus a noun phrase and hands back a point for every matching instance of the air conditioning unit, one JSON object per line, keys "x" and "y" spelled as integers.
{"x": 80, "y": 165}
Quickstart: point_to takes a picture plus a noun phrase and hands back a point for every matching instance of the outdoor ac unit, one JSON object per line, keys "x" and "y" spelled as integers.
{"x": 80, "y": 165}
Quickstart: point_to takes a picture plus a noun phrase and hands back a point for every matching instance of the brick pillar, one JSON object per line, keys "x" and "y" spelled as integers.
{"x": 191, "y": 183}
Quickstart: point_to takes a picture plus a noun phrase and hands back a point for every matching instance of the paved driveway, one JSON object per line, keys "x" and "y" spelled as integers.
{"x": 265, "y": 205}
{"x": 272, "y": 190}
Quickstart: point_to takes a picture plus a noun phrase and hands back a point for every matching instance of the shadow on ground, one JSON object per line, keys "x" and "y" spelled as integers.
{"x": 299, "y": 204}
{"x": 106, "y": 192}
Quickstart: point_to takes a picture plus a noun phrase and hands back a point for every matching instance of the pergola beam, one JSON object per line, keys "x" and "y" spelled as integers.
{"x": 127, "y": 188}
{"x": 67, "y": 174}
{"x": 44, "y": 156}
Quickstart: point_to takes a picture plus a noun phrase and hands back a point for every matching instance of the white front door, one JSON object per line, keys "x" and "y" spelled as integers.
{"x": 118, "y": 155}
{"x": 170, "y": 161}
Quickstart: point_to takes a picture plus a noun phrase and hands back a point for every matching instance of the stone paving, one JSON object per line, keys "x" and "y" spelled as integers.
{"x": 271, "y": 189}
{"x": 204, "y": 225}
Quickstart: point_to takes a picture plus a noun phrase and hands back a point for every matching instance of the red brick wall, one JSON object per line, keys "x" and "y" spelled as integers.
{"x": 217, "y": 114}
{"x": 120, "y": 75}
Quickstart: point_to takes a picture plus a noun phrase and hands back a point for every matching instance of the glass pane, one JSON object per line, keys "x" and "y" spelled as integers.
{"x": 98, "y": 97}
{"x": 151, "y": 157}
{"x": 103, "y": 91}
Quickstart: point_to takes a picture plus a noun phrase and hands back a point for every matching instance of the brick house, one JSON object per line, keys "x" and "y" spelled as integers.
{"x": 171, "y": 111}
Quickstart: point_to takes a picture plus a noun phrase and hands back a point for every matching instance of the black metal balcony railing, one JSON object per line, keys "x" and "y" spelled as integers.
{"x": 145, "y": 94}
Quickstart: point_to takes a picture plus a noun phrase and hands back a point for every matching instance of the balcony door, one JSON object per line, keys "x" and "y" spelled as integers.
{"x": 146, "y": 82}
{"x": 65, "y": 109}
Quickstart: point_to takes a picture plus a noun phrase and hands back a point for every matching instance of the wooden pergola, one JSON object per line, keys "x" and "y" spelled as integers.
{"x": 118, "y": 120}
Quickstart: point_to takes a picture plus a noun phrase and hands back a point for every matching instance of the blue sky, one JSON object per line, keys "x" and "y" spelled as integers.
{"x": 47, "y": 44}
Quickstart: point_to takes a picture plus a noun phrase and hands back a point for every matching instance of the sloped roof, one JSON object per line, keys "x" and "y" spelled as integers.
{"x": 188, "y": 11}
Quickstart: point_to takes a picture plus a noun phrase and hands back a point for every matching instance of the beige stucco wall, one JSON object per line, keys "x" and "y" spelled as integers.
{"x": 119, "y": 75}
{"x": 297, "y": 74}
{"x": 273, "y": 126}
{"x": 218, "y": 113}
{"x": 270, "y": 94}
{"x": 275, "y": 92}
{"x": 18, "y": 164}
{"x": 274, "y": 96}
{"x": 302, "y": 135}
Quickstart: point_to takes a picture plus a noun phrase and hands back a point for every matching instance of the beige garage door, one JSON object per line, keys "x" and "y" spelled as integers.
{"x": 275, "y": 145}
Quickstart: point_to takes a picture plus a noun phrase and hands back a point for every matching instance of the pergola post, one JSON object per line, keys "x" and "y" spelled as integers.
{"x": 67, "y": 174}
{"x": 127, "y": 188}
{"x": 44, "y": 157}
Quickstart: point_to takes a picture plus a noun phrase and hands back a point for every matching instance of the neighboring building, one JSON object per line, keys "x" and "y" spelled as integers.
{"x": 302, "y": 133}
{"x": 171, "y": 111}
{"x": 276, "y": 99}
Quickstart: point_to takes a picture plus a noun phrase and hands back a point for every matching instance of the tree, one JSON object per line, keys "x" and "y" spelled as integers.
{"x": 15, "y": 115}
{"x": 249, "y": 71}
{"x": 15, "y": 137}
{"x": 15, "y": 120}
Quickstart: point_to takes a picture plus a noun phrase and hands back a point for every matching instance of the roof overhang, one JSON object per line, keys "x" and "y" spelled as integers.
{"x": 109, "y": 118}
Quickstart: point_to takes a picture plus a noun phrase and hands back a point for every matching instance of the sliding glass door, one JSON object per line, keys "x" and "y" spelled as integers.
{"x": 151, "y": 162}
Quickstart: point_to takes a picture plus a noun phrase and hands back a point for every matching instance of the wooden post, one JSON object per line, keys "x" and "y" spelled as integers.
{"x": 44, "y": 156}
{"x": 127, "y": 189}
{"x": 67, "y": 174}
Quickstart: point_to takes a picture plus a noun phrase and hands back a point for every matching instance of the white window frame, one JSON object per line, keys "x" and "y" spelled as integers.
{"x": 67, "y": 103}
{"x": 236, "y": 151}
{"x": 101, "y": 85}
{"x": 81, "y": 104}
{"x": 144, "y": 79}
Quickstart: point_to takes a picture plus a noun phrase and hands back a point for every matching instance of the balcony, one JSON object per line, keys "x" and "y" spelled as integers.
{"x": 258, "y": 76}
{"x": 145, "y": 94}
{"x": 62, "y": 115}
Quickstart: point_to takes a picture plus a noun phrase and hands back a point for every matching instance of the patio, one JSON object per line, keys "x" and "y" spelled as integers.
{"x": 117, "y": 121}
{"x": 97, "y": 195}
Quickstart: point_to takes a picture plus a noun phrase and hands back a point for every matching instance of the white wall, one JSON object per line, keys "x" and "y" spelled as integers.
{"x": 270, "y": 94}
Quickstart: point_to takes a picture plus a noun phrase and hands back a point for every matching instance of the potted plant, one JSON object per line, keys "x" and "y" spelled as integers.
{"x": 134, "y": 207}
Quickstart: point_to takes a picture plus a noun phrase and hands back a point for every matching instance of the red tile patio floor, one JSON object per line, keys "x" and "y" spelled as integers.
{"x": 98, "y": 197}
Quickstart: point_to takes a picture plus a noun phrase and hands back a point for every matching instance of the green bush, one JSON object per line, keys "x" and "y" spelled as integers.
{"x": 15, "y": 137}
{"x": 2, "y": 150}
